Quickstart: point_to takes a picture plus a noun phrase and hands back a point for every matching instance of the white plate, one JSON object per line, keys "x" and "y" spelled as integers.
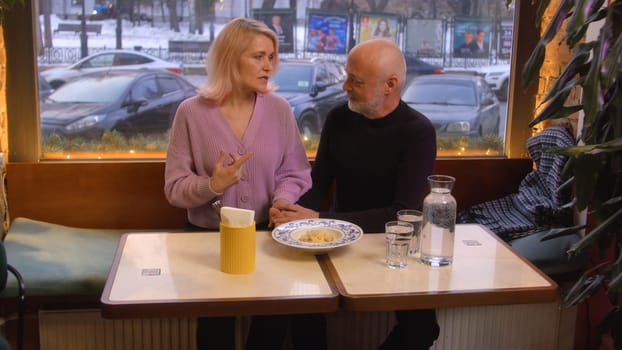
{"x": 345, "y": 232}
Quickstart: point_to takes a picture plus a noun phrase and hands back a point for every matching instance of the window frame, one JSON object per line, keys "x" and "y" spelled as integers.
{"x": 22, "y": 96}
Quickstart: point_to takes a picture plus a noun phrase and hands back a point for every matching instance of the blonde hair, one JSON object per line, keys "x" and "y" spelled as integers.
{"x": 223, "y": 57}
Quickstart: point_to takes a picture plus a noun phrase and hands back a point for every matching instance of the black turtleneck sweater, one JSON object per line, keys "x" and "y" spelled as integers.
{"x": 379, "y": 166}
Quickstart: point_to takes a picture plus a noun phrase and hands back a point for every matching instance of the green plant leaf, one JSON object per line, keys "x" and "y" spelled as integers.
{"x": 557, "y": 20}
{"x": 554, "y": 110}
{"x": 615, "y": 282}
{"x": 531, "y": 69}
{"x": 556, "y": 103}
{"x": 578, "y": 65}
{"x": 575, "y": 21}
{"x": 569, "y": 205}
{"x": 591, "y": 97}
{"x": 566, "y": 185}
{"x": 533, "y": 64}
{"x": 613, "y": 201}
{"x": 585, "y": 181}
{"x": 585, "y": 12}
{"x": 542, "y": 6}
{"x": 573, "y": 151}
{"x": 593, "y": 169}
{"x": 611, "y": 63}
{"x": 584, "y": 290}
{"x": 559, "y": 232}
{"x": 605, "y": 228}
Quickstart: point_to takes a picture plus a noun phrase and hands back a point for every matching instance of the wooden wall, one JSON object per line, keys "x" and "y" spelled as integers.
{"x": 130, "y": 195}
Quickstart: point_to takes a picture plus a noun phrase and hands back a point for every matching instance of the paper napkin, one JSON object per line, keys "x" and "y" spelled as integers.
{"x": 236, "y": 217}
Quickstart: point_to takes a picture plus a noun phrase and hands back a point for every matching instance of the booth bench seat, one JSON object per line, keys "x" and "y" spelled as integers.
{"x": 62, "y": 267}
{"x": 57, "y": 260}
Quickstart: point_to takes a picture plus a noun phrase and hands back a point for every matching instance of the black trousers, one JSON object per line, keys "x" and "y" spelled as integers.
{"x": 216, "y": 333}
{"x": 308, "y": 332}
{"x": 415, "y": 330}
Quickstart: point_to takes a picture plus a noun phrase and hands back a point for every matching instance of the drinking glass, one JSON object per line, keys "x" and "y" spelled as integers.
{"x": 397, "y": 236}
{"x": 414, "y": 217}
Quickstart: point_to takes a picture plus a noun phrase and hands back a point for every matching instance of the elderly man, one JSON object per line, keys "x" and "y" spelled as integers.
{"x": 379, "y": 153}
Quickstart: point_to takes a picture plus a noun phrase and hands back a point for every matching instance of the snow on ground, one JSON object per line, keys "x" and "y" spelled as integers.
{"x": 145, "y": 34}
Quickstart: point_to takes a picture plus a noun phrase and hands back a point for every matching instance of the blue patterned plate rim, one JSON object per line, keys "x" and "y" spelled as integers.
{"x": 283, "y": 233}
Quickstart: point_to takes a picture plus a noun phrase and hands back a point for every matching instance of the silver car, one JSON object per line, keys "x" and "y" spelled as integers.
{"x": 457, "y": 104}
{"x": 498, "y": 78}
{"x": 106, "y": 60}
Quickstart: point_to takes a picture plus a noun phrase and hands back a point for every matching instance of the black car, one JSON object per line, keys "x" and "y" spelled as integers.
{"x": 457, "y": 104}
{"x": 312, "y": 87}
{"x": 415, "y": 66}
{"x": 127, "y": 101}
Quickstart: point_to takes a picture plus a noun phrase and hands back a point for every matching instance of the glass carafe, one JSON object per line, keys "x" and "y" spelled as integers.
{"x": 439, "y": 222}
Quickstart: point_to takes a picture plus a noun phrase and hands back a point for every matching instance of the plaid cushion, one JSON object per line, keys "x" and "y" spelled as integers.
{"x": 538, "y": 200}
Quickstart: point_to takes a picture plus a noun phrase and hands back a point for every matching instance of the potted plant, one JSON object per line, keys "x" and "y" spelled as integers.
{"x": 595, "y": 165}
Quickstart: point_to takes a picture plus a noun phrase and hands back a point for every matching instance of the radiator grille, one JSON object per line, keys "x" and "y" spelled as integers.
{"x": 508, "y": 327}
{"x": 85, "y": 330}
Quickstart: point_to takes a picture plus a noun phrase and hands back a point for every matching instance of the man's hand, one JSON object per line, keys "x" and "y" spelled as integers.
{"x": 288, "y": 212}
{"x": 274, "y": 211}
{"x": 227, "y": 175}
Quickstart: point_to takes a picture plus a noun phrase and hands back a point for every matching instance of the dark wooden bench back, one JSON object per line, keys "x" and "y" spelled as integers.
{"x": 131, "y": 195}
{"x": 77, "y": 28}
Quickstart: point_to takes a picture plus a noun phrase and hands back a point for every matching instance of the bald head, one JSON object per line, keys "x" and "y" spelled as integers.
{"x": 382, "y": 59}
{"x": 376, "y": 74}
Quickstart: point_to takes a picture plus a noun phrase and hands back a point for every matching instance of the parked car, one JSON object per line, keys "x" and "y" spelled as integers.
{"x": 457, "y": 104}
{"x": 130, "y": 102}
{"x": 106, "y": 60}
{"x": 415, "y": 66}
{"x": 498, "y": 78}
{"x": 312, "y": 87}
{"x": 103, "y": 10}
{"x": 45, "y": 89}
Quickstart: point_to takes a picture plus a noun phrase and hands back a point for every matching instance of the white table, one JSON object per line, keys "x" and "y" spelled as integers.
{"x": 165, "y": 274}
{"x": 485, "y": 271}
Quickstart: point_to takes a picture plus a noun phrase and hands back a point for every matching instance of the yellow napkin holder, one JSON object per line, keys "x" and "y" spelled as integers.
{"x": 237, "y": 249}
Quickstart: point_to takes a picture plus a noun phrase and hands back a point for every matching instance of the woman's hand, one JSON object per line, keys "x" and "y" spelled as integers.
{"x": 227, "y": 175}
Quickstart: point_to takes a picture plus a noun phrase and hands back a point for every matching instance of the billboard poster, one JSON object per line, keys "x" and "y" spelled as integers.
{"x": 472, "y": 37}
{"x": 505, "y": 38}
{"x": 377, "y": 25}
{"x": 327, "y": 32}
{"x": 424, "y": 37}
{"x": 281, "y": 21}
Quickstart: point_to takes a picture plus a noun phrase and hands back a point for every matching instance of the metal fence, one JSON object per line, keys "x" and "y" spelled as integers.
{"x": 67, "y": 55}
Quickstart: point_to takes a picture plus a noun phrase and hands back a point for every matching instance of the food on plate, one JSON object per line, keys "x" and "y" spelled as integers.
{"x": 318, "y": 235}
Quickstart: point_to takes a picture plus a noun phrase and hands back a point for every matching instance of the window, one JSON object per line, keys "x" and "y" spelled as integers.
{"x": 25, "y": 144}
{"x": 105, "y": 60}
{"x": 145, "y": 89}
{"x": 323, "y": 77}
{"x": 124, "y": 59}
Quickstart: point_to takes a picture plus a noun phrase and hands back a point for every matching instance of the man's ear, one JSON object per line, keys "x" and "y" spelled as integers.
{"x": 391, "y": 84}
